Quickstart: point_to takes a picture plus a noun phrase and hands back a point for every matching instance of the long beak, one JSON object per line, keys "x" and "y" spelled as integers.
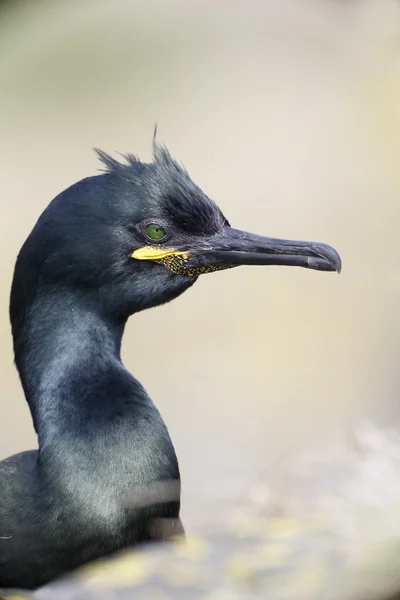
{"x": 233, "y": 247}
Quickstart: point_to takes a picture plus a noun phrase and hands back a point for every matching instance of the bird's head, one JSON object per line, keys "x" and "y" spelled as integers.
{"x": 139, "y": 235}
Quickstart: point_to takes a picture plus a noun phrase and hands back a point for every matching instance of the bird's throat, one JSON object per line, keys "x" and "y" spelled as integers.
{"x": 63, "y": 351}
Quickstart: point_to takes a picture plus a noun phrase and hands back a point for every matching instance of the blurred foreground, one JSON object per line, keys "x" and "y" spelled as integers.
{"x": 324, "y": 525}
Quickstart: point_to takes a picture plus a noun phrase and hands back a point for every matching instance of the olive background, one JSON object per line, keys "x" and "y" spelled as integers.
{"x": 287, "y": 115}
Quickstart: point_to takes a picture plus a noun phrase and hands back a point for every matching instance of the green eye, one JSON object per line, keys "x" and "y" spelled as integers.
{"x": 155, "y": 232}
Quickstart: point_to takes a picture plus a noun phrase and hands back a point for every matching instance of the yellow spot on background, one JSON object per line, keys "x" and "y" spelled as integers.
{"x": 286, "y": 527}
{"x": 193, "y": 548}
{"x": 125, "y": 570}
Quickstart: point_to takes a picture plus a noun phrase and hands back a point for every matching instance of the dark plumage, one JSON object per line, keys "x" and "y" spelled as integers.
{"x": 95, "y": 257}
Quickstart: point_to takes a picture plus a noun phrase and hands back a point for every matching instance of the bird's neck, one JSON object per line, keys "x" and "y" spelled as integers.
{"x": 100, "y": 436}
{"x": 67, "y": 355}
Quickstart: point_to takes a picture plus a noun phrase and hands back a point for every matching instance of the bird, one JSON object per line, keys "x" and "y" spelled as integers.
{"x": 105, "y": 475}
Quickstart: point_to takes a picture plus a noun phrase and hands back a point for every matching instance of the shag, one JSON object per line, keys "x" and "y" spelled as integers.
{"x": 135, "y": 236}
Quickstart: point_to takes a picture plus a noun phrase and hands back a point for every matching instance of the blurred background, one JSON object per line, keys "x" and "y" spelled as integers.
{"x": 287, "y": 114}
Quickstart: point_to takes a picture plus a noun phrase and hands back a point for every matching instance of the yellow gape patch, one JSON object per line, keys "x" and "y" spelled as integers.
{"x": 174, "y": 260}
{"x": 150, "y": 253}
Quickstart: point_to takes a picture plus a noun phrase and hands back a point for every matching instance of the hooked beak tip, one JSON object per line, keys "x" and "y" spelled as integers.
{"x": 328, "y": 254}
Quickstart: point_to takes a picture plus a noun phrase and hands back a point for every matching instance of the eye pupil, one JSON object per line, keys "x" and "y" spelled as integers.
{"x": 155, "y": 232}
